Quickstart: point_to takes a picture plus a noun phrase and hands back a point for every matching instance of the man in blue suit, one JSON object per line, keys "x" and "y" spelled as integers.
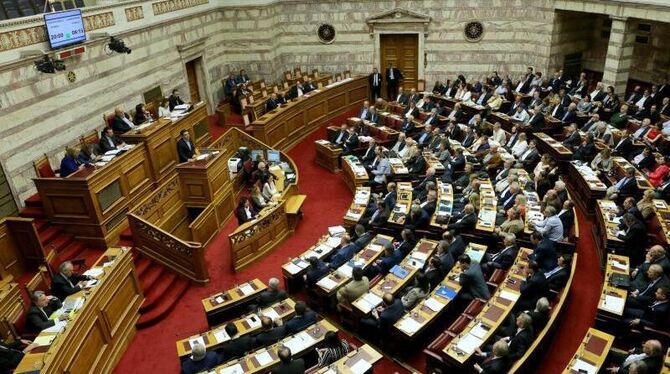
{"x": 385, "y": 315}
{"x": 389, "y": 259}
{"x": 544, "y": 253}
{"x": 302, "y": 319}
{"x": 344, "y": 254}
{"x": 200, "y": 360}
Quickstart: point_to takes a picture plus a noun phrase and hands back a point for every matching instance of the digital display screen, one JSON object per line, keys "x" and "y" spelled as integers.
{"x": 65, "y": 28}
{"x": 273, "y": 156}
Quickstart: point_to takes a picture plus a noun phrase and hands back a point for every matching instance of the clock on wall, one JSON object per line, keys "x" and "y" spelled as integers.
{"x": 474, "y": 31}
{"x": 326, "y": 33}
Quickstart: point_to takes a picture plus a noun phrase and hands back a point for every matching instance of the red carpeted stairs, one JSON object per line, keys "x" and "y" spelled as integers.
{"x": 162, "y": 288}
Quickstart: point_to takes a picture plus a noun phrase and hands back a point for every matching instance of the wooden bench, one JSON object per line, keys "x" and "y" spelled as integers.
{"x": 293, "y": 210}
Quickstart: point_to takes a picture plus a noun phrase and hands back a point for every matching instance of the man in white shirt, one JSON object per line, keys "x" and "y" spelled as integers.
{"x": 551, "y": 227}
{"x": 643, "y": 100}
{"x": 521, "y": 115}
{"x": 498, "y": 134}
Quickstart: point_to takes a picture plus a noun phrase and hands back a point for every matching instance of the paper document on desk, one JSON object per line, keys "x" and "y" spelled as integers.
{"x": 336, "y": 230}
{"x": 295, "y": 344}
{"x": 327, "y": 283}
{"x": 433, "y": 304}
{"x": 264, "y": 358}
{"x": 614, "y": 304}
{"x": 107, "y": 158}
{"x": 254, "y": 321}
{"x": 469, "y": 343}
{"x": 199, "y": 340}
{"x": 409, "y": 325}
{"x": 480, "y": 331}
{"x": 246, "y": 289}
{"x": 323, "y": 141}
{"x": 474, "y": 255}
{"x": 221, "y": 336}
{"x": 333, "y": 241}
{"x": 271, "y": 313}
{"x": 202, "y": 157}
{"x": 372, "y": 299}
{"x": 346, "y": 270}
{"x": 235, "y": 369}
{"x": 44, "y": 340}
{"x": 90, "y": 283}
{"x": 487, "y": 215}
{"x": 58, "y": 327}
{"x": 112, "y": 152}
{"x": 511, "y": 296}
{"x": 94, "y": 272}
{"x": 360, "y": 367}
{"x": 292, "y": 268}
{"x": 421, "y": 256}
{"x": 181, "y": 107}
{"x": 583, "y": 366}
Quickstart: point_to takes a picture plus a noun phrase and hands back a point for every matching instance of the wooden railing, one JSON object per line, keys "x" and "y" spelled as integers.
{"x": 205, "y": 226}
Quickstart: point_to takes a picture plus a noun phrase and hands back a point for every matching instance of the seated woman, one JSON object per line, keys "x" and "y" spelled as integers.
{"x": 661, "y": 170}
{"x": 333, "y": 349}
{"x": 245, "y": 211}
{"x": 585, "y": 105}
{"x": 269, "y": 189}
{"x": 654, "y": 135}
{"x": 164, "y": 108}
{"x": 416, "y": 292}
{"x": 257, "y": 199}
{"x": 70, "y": 163}
{"x": 646, "y": 204}
{"x": 602, "y": 163}
{"x": 141, "y": 115}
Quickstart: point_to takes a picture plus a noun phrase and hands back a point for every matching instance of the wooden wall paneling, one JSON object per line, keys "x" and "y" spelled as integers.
{"x": 29, "y": 245}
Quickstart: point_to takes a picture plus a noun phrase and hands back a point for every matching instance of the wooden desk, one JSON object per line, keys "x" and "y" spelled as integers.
{"x": 344, "y": 365}
{"x": 414, "y": 322}
{"x": 619, "y": 167}
{"x": 605, "y": 229}
{"x": 445, "y": 206}
{"x": 392, "y": 283}
{"x": 295, "y": 268}
{"x": 403, "y": 203}
{"x": 591, "y": 353}
{"x": 160, "y": 138}
{"x": 398, "y": 170}
{"x": 556, "y": 149}
{"x": 11, "y": 306}
{"x": 585, "y": 186}
{"x": 246, "y": 325}
{"x": 201, "y": 181}
{"x": 433, "y": 162}
{"x": 92, "y": 203}
{"x": 328, "y": 155}
{"x": 337, "y": 278}
{"x": 494, "y": 313}
{"x": 96, "y": 335}
{"x": 488, "y": 207}
{"x": 358, "y": 206}
{"x": 286, "y": 126}
{"x": 355, "y": 174}
{"x": 612, "y": 298}
{"x": 662, "y": 210}
{"x": 299, "y": 344}
{"x": 223, "y": 305}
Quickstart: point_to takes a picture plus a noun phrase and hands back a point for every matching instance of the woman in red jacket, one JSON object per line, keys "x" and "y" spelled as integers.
{"x": 661, "y": 170}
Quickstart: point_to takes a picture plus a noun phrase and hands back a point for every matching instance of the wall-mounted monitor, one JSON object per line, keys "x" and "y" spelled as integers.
{"x": 65, "y": 28}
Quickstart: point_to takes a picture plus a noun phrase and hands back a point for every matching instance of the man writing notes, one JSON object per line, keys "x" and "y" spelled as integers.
{"x": 375, "y": 81}
{"x": 185, "y": 147}
{"x": 65, "y": 282}
{"x": 393, "y": 76}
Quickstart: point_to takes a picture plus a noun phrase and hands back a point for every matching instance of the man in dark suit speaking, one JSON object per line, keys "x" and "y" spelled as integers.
{"x": 185, "y": 147}
{"x": 393, "y": 76}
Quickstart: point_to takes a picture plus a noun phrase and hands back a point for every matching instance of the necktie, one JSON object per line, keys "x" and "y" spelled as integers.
{"x": 45, "y": 313}
{"x": 391, "y": 74}
{"x": 68, "y": 280}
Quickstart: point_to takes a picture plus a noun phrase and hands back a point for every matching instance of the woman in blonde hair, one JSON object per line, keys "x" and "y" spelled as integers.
{"x": 646, "y": 204}
{"x": 70, "y": 164}
{"x": 257, "y": 198}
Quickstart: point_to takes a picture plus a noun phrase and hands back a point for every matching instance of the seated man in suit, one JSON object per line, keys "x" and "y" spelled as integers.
{"x": 358, "y": 286}
{"x": 373, "y": 116}
{"x": 272, "y": 295}
{"x": 351, "y": 142}
{"x": 245, "y": 211}
{"x": 38, "y": 317}
{"x": 296, "y": 91}
{"x": 558, "y": 276}
{"x": 627, "y": 185}
{"x": 362, "y": 237}
{"x": 64, "y": 283}
{"x": 109, "y": 141}
{"x": 365, "y": 111}
{"x": 567, "y": 216}
{"x": 585, "y": 150}
{"x": 456, "y": 244}
{"x": 12, "y": 353}
{"x": 272, "y": 103}
{"x": 655, "y": 255}
{"x": 237, "y": 346}
{"x": 643, "y": 296}
{"x": 473, "y": 284}
{"x": 531, "y": 155}
{"x": 634, "y": 237}
{"x": 287, "y": 364}
{"x": 532, "y": 288}
{"x": 651, "y": 355}
{"x": 341, "y": 136}
{"x": 497, "y": 362}
{"x": 317, "y": 270}
{"x": 370, "y": 154}
{"x": 655, "y": 315}
{"x": 121, "y": 121}
{"x": 544, "y": 253}
{"x": 464, "y": 221}
{"x": 200, "y": 360}
{"x": 425, "y": 136}
{"x": 378, "y": 216}
{"x": 520, "y": 341}
{"x": 384, "y": 316}
{"x": 302, "y": 319}
{"x": 504, "y": 258}
{"x": 270, "y": 332}
{"x": 309, "y": 85}
{"x": 572, "y": 137}
{"x": 344, "y": 254}
{"x": 389, "y": 259}
{"x": 185, "y": 147}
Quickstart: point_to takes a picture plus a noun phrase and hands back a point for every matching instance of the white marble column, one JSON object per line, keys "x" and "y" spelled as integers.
{"x": 619, "y": 54}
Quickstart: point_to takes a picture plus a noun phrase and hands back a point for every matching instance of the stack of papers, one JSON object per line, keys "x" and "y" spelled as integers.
{"x": 58, "y": 327}
{"x": 480, "y": 331}
{"x": 246, "y": 289}
{"x": 235, "y": 369}
{"x": 433, "y": 304}
{"x": 368, "y": 302}
{"x": 94, "y": 272}
{"x": 327, "y": 283}
{"x": 271, "y": 313}
{"x": 221, "y": 336}
{"x": 264, "y": 358}
{"x": 469, "y": 343}
{"x": 253, "y": 321}
{"x": 199, "y": 340}
{"x": 409, "y": 325}
{"x": 583, "y": 366}
{"x": 333, "y": 241}
{"x": 360, "y": 367}
{"x": 44, "y": 340}
{"x": 507, "y": 295}
{"x": 346, "y": 270}
{"x": 336, "y": 230}
{"x": 613, "y": 303}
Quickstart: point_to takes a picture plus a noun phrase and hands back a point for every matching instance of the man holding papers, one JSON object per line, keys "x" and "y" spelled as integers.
{"x": 65, "y": 283}
{"x": 39, "y": 314}
{"x": 385, "y": 315}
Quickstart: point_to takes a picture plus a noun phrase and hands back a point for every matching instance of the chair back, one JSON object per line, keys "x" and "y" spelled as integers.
{"x": 40, "y": 282}
{"x": 43, "y": 167}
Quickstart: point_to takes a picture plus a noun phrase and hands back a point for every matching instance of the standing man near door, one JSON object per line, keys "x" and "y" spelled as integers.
{"x": 375, "y": 81}
{"x": 393, "y": 76}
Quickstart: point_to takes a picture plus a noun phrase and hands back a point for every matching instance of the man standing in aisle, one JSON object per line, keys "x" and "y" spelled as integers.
{"x": 375, "y": 81}
{"x": 393, "y": 76}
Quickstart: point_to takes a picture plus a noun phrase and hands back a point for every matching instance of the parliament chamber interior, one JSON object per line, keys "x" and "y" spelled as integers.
{"x": 335, "y": 186}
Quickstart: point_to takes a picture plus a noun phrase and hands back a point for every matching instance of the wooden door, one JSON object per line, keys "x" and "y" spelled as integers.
{"x": 403, "y": 51}
{"x": 193, "y": 80}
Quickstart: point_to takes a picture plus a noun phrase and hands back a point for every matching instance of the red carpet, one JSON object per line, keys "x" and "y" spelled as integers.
{"x": 153, "y": 348}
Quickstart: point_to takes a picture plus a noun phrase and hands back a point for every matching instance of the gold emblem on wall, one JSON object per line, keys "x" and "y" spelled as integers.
{"x": 71, "y": 76}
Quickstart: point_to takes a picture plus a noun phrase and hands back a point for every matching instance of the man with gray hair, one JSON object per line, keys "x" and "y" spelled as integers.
{"x": 504, "y": 258}
{"x": 551, "y": 227}
{"x": 498, "y": 363}
{"x": 38, "y": 317}
{"x": 272, "y": 295}
{"x": 65, "y": 282}
{"x": 200, "y": 360}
